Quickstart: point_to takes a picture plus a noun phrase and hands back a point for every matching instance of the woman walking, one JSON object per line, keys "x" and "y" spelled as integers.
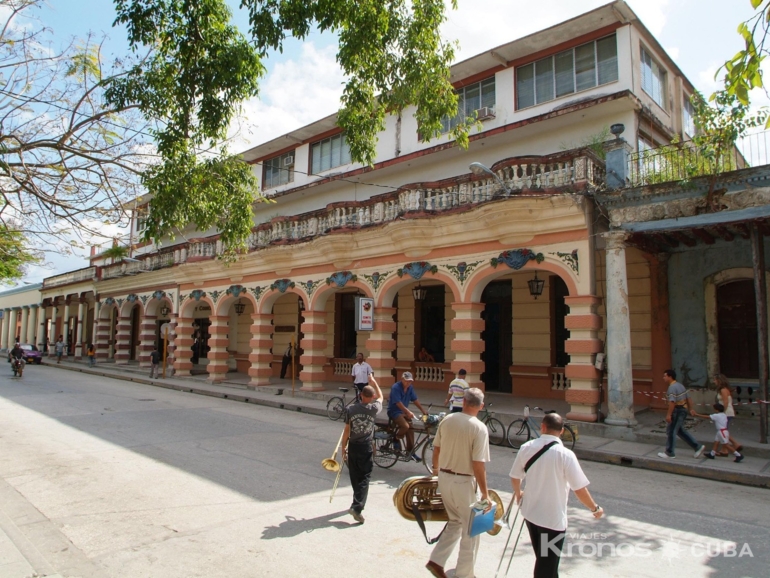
{"x": 725, "y": 397}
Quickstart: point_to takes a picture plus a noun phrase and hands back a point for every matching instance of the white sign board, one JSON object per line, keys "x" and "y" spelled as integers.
{"x": 364, "y": 314}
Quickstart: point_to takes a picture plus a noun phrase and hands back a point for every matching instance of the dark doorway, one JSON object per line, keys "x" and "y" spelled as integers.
{"x": 559, "y": 312}
{"x": 497, "y": 336}
{"x": 430, "y": 323}
{"x": 737, "y": 323}
{"x": 345, "y": 325}
{"x": 200, "y": 346}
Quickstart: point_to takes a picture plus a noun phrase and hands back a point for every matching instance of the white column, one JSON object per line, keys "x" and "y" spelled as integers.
{"x": 79, "y": 336}
{"x": 620, "y": 383}
{"x": 42, "y": 326}
{"x": 12, "y": 332}
{"x": 65, "y": 328}
{"x": 24, "y": 322}
{"x": 6, "y": 321}
{"x": 33, "y": 323}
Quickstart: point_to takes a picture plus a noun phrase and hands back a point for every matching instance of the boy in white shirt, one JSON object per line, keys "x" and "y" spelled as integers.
{"x": 723, "y": 436}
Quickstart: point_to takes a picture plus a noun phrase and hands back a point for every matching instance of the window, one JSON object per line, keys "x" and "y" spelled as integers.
{"x": 573, "y": 70}
{"x": 329, "y": 153}
{"x": 688, "y": 117}
{"x": 278, "y": 171}
{"x": 469, "y": 100}
{"x": 653, "y": 79}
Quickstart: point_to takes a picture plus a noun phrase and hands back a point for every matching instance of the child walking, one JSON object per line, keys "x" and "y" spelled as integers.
{"x": 91, "y": 353}
{"x": 723, "y": 435}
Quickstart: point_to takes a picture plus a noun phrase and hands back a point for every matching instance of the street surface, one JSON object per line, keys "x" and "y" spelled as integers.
{"x": 106, "y": 478}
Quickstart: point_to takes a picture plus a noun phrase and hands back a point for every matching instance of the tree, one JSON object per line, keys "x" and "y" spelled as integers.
{"x": 743, "y": 71}
{"x": 201, "y": 69}
{"x": 14, "y": 255}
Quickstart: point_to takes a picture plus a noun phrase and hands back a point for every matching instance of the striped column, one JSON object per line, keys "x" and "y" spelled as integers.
{"x": 147, "y": 327}
{"x": 102, "y": 336}
{"x": 381, "y": 344}
{"x": 260, "y": 343}
{"x": 314, "y": 345}
{"x": 584, "y": 395}
{"x": 467, "y": 344}
{"x": 123, "y": 340}
{"x": 183, "y": 341}
{"x": 218, "y": 342}
{"x": 171, "y": 346}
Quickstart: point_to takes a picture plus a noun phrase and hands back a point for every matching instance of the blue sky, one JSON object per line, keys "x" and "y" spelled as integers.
{"x": 304, "y": 83}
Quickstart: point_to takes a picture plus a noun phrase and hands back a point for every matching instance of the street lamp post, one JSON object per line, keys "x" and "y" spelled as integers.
{"x": 479, "y": 169}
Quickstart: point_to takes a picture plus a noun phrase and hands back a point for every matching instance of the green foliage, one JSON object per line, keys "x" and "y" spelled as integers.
{"x": 14, "y": 254}
{"x": 116, "y": 253}
{"x": 743, "y": 71}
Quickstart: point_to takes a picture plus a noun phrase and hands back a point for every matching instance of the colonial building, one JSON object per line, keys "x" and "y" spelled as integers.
{"x": 493, "y": 259}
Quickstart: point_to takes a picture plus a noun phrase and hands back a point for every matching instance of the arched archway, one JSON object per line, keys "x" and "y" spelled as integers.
{"x": 192, "y": 333}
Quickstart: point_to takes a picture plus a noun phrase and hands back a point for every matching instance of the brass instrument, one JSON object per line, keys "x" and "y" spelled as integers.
{"x": 423, "y": 492}
{"x": 336, "y": 482}
{"x": 330, "y": 464}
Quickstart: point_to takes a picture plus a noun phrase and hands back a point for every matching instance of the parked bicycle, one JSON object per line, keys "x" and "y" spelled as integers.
{"x": 388, "y": 448}
{"x": 522, "y": 430}
{"x": 336, "y": 406}
{"x": 496, "y": 429}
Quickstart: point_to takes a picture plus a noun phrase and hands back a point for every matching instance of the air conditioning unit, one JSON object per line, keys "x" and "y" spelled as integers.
{"x": 288, "y": 161}
{"x": 485, "y": 112}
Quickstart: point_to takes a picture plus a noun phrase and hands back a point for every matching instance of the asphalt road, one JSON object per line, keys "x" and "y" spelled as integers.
{"x": 103, "y": 478}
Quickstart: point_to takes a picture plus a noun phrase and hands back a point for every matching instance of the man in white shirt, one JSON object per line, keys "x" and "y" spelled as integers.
{"x": 457, "y": 389}
{"x": 460, "y": 454}
{"x": 361, "y": 372}
{"x": 551, "y": 471}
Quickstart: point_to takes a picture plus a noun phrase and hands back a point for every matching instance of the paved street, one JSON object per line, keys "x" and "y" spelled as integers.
{"x": 100, "y": 477}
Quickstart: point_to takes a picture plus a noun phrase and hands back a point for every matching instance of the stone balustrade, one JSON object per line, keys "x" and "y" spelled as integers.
{"x": 343, "y": 367}
{"x": 147, "y": 263}
{"x": 428, "y": 372}
{"x": 559, "y": 381}
{"x": 87, "y": 274}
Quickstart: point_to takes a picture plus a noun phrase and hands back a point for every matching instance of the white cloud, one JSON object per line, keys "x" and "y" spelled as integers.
{"x": 295, "y": 93}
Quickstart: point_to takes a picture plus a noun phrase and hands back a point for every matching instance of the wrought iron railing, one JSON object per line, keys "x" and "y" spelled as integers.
{"x": 685, "y": 161}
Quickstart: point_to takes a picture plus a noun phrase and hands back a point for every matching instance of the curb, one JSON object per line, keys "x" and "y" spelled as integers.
{"x": 691, "y": 470}
{"x": 683, "y": 469}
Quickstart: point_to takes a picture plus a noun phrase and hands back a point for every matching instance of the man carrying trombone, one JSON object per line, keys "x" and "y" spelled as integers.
{"x": 357, "y": 440}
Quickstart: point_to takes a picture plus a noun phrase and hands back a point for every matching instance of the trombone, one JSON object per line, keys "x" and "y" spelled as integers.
{"x": 332, "y": 465}
{"x": 512, "y": 525}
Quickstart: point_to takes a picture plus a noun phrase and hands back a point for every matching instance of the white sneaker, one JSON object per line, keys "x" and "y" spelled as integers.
{"x": 698, "y": 452}
{"x": 665, "y": 456}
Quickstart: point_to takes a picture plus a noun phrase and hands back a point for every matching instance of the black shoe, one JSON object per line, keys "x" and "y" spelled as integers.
{"x": 738, "y": 458}
{"x": 709, "y": 456}
{"x": 416, "y": 458}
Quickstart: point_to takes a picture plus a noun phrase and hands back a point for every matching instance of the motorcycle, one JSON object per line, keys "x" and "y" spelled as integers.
{"x": 17, "y": 366}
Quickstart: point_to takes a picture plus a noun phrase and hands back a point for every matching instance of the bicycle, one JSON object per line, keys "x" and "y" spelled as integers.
{"x": 387, "y": 447}
{"x": 521, "y": 430}
{"x": 496, "y": 429}
{"x": 336, "y": 406}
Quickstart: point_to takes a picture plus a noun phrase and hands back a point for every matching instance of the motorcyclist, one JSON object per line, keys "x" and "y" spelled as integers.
{"x": 17, "y": 356}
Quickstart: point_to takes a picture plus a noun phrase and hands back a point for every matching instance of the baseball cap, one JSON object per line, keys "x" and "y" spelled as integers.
{"x": 407, "y": 376}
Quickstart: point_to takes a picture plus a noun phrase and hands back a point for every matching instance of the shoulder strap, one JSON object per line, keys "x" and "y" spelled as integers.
{"x": 536, "y": 457}
{"x": 418, "y": 519}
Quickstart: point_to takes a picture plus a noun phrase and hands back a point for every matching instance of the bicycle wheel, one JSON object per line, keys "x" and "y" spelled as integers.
{"x": 427, "y": 455}
{"x": 568, "y": 437}
{"x": 335, "y": 408}
{"x": 496, "y": 431}
{"x": 384, "y": 454}
{"x": 518, "y": 433}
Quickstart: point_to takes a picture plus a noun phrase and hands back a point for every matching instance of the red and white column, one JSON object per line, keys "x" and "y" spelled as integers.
{"x": 584, "y": 394}
{"x": 123, "y": 340}
{"x": 314, "y": 345}
{"x": 147, "y": 328}
{"x": 467, "y": 344}
{"x": 183, "y": 343}
{"x": 381, "y": 345}
{"x": 218, "y": 354}
{"x": 260, "y": 343}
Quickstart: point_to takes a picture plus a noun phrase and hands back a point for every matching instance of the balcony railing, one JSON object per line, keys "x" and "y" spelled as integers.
{"x": 673, "y": 163}
{"x": 145, "y": 265}
{"x": 87, "y": 274}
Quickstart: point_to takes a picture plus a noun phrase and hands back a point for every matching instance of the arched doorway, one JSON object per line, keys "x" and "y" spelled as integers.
{"x": 497, "y": 335}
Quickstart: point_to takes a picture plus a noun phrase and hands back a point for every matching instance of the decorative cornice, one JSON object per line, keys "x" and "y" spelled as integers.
{"x": 376, "y": 279}
{"x": 462, "y": 270}
{"x": 417, "y": 269}
{"x": 517, "y": 258}
{"x": 282, "y": 285}
{"x": 341, "y": 278}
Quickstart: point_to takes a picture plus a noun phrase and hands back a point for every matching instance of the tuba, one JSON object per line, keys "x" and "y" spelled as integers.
{"x": 422, "y": 492}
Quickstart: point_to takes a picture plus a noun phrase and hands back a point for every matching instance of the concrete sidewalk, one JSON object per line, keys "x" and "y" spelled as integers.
{"x": 630, "y": 447}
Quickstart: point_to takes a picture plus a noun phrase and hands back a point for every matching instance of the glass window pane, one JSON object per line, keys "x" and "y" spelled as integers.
{"x": 488, "y": 93}
{"x": 525, "y": 86}
{"x": 345, "y": 160}
{"x": 585, "y": 67}
{"x": 472, "y": 99}
{"x": 544, "y": 80}
{"x": 607, "y": 57}
{"x": 335, "y": 160}
{"x": 326, "y": 154}
{"x": 565, "y": 81}
{"x": 316, "y": 162}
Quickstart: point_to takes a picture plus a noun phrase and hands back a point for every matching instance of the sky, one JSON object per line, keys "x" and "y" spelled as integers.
{"x": 304, "y": 83}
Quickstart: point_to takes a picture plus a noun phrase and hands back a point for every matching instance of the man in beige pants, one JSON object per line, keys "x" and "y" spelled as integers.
{"x": 460, "y": 453}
